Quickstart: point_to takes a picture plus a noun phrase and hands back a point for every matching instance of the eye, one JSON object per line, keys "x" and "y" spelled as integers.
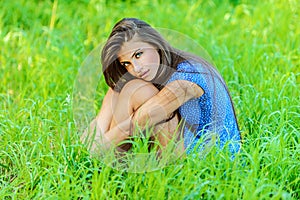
{"x": 125, "y": 64}
{"x": 138, "y": 55}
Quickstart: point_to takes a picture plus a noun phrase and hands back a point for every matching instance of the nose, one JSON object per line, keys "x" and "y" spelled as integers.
{"x": 136, "y": 66}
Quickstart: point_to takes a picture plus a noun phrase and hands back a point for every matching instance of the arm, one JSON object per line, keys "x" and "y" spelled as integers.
{"x": 170, "y": 98}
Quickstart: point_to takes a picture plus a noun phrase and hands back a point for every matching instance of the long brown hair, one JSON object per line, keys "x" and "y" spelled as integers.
{"x": 116, "y": 76}
{"x": 124, "y": 31}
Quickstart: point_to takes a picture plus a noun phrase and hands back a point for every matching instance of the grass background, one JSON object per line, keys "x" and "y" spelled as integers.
{"x": 254, "y": 44}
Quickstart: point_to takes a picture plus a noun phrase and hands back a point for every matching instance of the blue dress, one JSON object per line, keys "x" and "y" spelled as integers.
{"x": 209, "y": 116}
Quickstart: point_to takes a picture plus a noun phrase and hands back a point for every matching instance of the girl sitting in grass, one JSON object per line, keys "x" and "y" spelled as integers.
{"x": 179, "y": 95}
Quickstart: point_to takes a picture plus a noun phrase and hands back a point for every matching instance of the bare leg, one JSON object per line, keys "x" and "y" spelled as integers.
{"x": 101, "y": 123}
{"x": 132, "y": 96}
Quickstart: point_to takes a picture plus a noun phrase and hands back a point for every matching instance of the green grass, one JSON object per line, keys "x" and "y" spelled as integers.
{"x": 254, "y": 44}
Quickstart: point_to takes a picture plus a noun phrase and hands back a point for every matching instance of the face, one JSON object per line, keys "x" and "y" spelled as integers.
{"x": 139, "y": 58}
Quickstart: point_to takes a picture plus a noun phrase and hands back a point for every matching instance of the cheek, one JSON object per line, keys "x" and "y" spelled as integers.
{"x": 157, "y": 60}
{"x": 154, "y": 58}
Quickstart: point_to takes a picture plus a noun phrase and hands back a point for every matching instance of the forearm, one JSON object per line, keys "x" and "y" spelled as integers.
{"x": 118, "y": 133}
{"x": 157, "y": 109}
{"x": 161, "y": 106}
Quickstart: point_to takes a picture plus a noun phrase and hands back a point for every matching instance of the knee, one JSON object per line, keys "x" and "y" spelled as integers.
{"x": 135, "y": 86}
{"x": 138, "y": 91}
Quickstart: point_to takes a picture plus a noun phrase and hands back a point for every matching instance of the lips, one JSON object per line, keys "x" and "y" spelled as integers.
{"x": 144, "y": 74}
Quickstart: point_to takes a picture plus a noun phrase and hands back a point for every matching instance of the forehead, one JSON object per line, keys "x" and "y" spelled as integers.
{"x": 129, "y": 47}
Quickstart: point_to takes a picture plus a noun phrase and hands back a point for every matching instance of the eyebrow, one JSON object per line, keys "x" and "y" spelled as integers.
{"x": 135, "y": 52}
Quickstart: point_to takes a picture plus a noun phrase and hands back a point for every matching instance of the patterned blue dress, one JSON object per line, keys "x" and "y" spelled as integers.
{"x": 211, "y": 116}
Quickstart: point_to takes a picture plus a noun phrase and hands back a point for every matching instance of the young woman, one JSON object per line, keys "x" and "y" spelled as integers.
{"x": 152, "y": 84}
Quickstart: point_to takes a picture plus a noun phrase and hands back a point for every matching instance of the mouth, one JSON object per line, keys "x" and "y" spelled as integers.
{"x": 144, "y": 74}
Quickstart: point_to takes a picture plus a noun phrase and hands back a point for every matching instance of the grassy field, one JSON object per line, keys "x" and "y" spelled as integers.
{"x": 254, "y": 44}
